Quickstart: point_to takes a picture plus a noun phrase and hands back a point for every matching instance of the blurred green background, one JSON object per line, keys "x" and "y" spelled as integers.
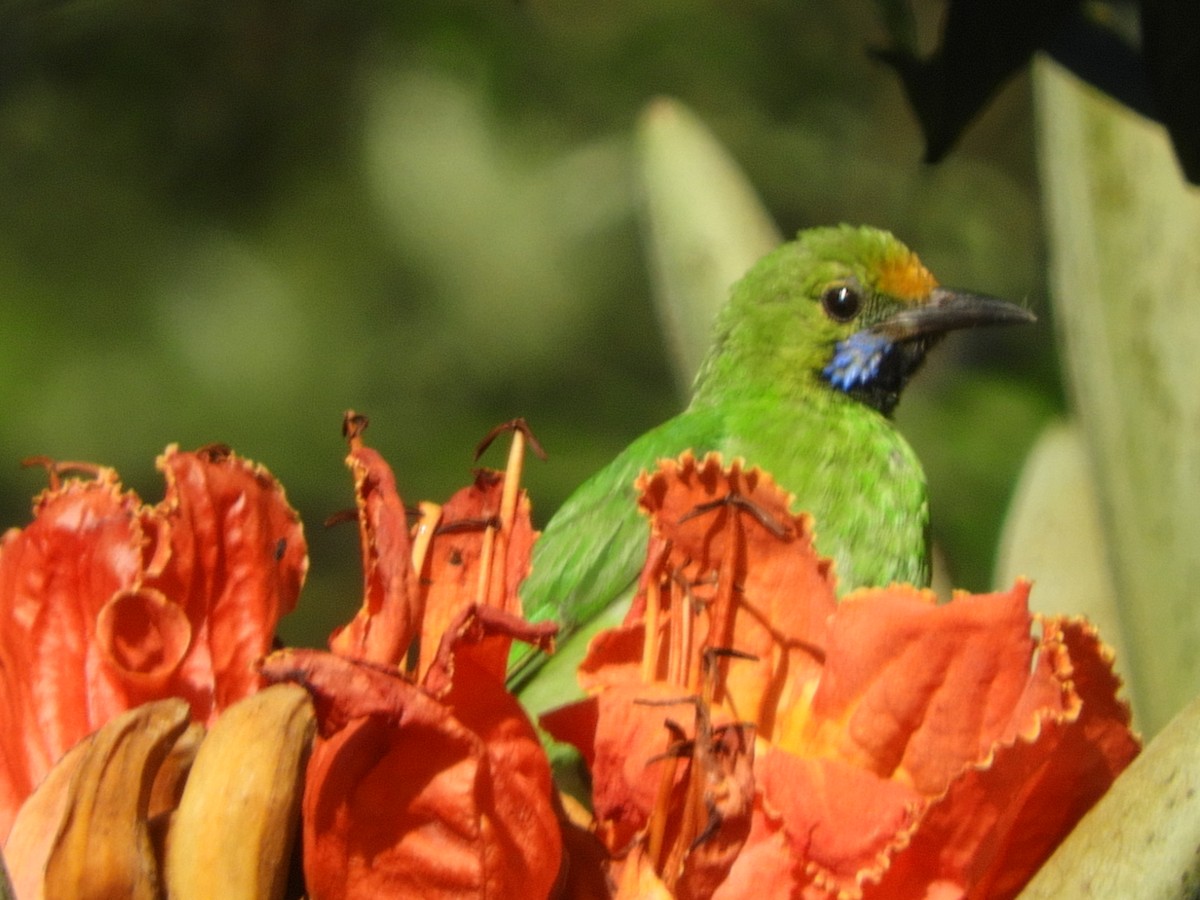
{"x": 233, "y": 221}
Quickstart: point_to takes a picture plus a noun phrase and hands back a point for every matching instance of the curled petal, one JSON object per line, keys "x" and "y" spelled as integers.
{"x": 143, "y": 636}
{"x": 391, "y": 611}
{"x": 483, "y": 635}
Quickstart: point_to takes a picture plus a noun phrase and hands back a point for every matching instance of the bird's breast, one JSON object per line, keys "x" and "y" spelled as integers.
{"x": 855, "y": 474}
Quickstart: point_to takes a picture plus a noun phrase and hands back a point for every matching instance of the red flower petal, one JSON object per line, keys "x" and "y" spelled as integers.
{"x": 906, "y": 748}
{"x": 997, "y": 824}
{"x": 466, "y": 536}
{"x": 766, "y": 866}
{"x": 469, "y": 537}
{"x": 729, "y": 527}
{"x": 915, "y": 690}
{"x": 237, "y": 560}
{"x": 83, "y": 546}
{"x": 421, "y": 797}
{"x": 839, "y": 818}
{"x": 391, "y": 610}
{"x": 627, "y": 735}
{"x": 624, "y": 737}
{"x": 106, "y": 603}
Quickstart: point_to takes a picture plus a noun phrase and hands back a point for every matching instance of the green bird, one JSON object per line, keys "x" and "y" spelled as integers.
{"x": 808, "y": 360}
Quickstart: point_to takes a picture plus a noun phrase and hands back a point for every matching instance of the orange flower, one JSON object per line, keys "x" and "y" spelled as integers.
{"x": 884, "y": 746}
{"x": 427, "y": 778}
{"x": 106, "y": 603}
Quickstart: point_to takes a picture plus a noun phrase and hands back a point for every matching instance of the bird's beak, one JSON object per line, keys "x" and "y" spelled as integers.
{"x": 949, "y": 310}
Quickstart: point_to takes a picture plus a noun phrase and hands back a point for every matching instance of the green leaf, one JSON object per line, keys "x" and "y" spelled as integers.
{"x": 704, "y": 226}
{"x": 1124, "y": 234}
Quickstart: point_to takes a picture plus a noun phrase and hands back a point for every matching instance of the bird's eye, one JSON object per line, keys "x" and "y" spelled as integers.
{"x": 841, "y": 302}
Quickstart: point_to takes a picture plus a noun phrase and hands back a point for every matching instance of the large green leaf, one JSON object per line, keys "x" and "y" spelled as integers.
{"x": 1124, "y": 234}
{"x": 704, "y": 226}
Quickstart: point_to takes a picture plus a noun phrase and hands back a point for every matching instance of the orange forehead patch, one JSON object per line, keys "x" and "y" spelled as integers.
{"x": 905, "y": 278}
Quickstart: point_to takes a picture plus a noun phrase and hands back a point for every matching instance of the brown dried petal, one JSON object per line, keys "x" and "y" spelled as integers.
{"x": 232, "y": 836}
{"x": 84, "y": 834}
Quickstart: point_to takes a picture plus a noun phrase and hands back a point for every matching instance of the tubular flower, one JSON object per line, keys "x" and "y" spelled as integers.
{"x": 427, "y": 779}
{"x": 107, "y": 603}
{"x": 749, "y": 736}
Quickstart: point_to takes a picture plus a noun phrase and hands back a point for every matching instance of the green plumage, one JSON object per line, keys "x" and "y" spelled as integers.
{"x": 771, "y": 393}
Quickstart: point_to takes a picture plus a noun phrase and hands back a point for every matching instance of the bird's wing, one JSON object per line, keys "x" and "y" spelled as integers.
{"x": 593, "y": 548}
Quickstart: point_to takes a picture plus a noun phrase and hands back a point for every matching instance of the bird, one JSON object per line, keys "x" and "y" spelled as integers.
{"x": 808, "y": 359}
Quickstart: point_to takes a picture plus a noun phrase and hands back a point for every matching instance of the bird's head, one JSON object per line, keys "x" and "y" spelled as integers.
{"x": 852, "y": 308}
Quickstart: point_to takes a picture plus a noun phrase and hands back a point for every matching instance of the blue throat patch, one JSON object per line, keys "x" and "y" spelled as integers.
{"x": 856, "y": 360}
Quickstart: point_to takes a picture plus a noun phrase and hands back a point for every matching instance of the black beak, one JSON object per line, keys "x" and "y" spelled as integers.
{"x": 949, "y": 310}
